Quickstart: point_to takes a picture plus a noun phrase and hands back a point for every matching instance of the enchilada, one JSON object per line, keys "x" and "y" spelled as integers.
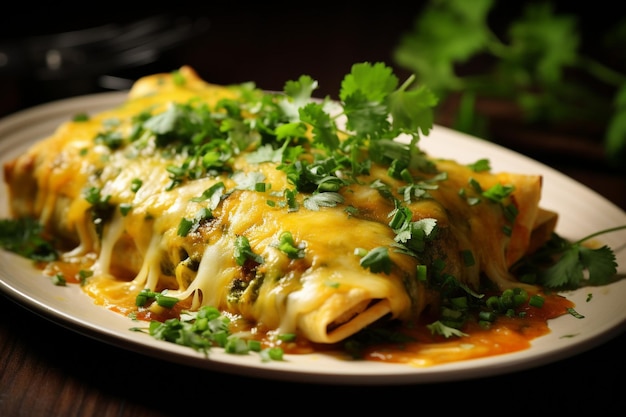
{"x": 221, "y": 196}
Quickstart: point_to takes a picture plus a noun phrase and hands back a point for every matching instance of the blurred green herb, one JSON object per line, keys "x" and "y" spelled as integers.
{"x": 25, "y": 237}
{"x": 537, "y": 63}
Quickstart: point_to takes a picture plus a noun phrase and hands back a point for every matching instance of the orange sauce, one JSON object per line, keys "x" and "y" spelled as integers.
{"x": 71, "y": 271}
{"x": 505, "y": 335}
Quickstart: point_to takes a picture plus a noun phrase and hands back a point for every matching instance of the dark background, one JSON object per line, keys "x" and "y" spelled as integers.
{"x": 269, "y": 45}
{"x": 226, "y": 42}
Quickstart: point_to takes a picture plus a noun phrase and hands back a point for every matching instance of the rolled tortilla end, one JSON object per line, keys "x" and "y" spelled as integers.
{"x": 328, "y": 325}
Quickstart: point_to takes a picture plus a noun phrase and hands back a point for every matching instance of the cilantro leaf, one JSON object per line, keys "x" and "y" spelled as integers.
{"x": 543, "y": 42}
{"x": 445, "y": 33}
{"x": 366, "y": 118}
{"x": 572, "y": 260}
{"x": 297, "y": 94}
{"x": 530, "y": 64}
{"x": 301, "y": 90}
{"x": 25, "y": 237}
{"x": 412, "y": 111}
{"x": 376, "y": 81}
{"x": 291, "y": 130}
{"x": 600, "y": 263}
{"x": 265, "y": 153}
{"x": 323, "y": 127}
{"x": 568, "y": 271}
{"x": 326, "y": 199}
{"x": 377, "y": 260}
{"x": 439, "y": 328}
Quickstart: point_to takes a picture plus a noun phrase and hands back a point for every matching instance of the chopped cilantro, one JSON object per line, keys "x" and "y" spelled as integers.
{"x": 206, "y": 328}
{"x": 377, "y": 260}
{"x": 243, "y": 251}
{"x": 288, "y": 245}
{"x": 437, "y": 327}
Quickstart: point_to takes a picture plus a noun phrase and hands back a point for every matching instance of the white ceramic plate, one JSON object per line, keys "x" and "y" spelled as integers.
{"x": 581, "y": 210}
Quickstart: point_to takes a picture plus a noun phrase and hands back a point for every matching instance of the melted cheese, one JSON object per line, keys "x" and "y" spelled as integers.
{"x": 326, "y": 295}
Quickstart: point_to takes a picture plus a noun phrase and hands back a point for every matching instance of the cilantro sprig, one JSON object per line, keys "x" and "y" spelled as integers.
{"x": 562, "y": 265}
{"x": 531, "y": 59}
